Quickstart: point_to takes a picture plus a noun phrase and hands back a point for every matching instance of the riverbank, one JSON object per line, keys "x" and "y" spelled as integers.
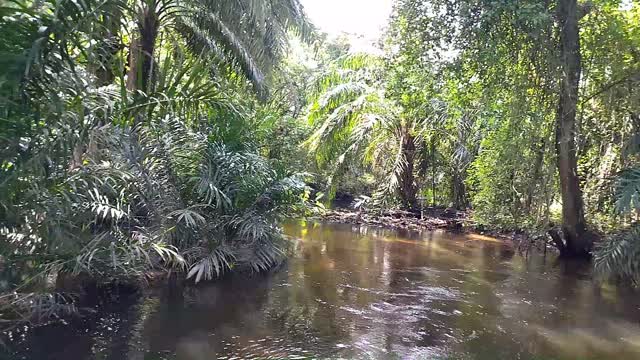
{"x": 438, "y": 218}
{"x": 429, "y": 219}
{"x": 77, "y": 294}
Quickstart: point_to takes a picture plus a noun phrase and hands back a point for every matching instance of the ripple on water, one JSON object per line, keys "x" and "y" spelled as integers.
{"x": 353, "y": 297}
{"x": 425, "y": 270}
{"x": 424, "y": 292}
{"x": 267, "y": 348}
{"x": 436, "y": 293}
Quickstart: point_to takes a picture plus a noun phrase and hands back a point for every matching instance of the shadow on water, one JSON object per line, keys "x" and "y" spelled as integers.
{"x": 360, "y": 292}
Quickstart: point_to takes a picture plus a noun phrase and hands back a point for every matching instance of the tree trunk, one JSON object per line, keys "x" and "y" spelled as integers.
{"x": 142, "y": 48}
{"x": 458, "y": 191}
{"x": 407, "y": 186}
{"x": 108, "y": 49}
{"x": 433, "y": 172}
{"x": 537, "y": 170}
{"x": 578, "y": 244}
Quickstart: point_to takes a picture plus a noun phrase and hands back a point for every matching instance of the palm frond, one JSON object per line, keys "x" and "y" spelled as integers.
{"x": 619, "y": 256}
{"x": 29, "y": 307}
{"x": 262, "y": 256}
{"x": 250, "y": 35}
{"x": 628, "y": 190}
{"x": 214, "y": 264}
{"x": 189, "y": 217}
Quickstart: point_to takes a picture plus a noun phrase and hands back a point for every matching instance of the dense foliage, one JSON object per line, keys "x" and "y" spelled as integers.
{"x": 158, "y": 135}
{"x": 135, "y": 137}
{"x": 523, "y": 112}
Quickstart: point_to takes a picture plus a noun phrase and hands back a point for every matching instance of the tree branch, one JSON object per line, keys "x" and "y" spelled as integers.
{"x": 632, "y": 77}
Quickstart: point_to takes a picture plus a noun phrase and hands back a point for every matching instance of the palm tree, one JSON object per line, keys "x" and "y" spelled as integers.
{"x": 82, "y": 190}
{"x": 619, "y": 255}
{"x": 355, "y": 118}
{"x": 242, "y": 35}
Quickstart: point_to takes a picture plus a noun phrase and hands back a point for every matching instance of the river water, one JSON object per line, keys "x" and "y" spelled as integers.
{"x": 359, "y": 292}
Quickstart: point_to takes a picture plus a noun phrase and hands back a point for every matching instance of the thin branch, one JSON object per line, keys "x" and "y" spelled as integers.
{"x": 610, "y": 86}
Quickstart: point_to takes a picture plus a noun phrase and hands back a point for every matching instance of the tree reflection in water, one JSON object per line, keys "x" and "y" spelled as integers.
{"x": 353, "y": 291}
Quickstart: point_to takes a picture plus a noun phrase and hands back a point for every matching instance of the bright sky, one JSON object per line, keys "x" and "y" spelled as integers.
{"x": 364, "y": 18}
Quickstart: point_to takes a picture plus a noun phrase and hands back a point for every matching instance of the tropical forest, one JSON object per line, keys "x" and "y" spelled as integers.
{"x": 319, "y": 179}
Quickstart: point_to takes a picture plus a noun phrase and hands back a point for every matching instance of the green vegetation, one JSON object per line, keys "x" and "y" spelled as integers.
{"x": 523, "y": 112}
{"x": 134, "y": 137}
{"x": 158, "y": 135}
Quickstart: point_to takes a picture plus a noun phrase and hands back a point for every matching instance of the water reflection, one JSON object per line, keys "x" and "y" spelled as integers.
{"x": 359, "y": 292}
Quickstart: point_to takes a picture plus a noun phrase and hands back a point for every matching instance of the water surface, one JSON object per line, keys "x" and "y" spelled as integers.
{"x": 358, "y": 292}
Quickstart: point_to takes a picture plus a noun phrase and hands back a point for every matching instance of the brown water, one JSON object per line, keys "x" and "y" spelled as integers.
{"x": 357, "y": 292}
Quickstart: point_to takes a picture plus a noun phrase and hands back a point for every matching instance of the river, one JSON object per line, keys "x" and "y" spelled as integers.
{"x": 361, "y": 292}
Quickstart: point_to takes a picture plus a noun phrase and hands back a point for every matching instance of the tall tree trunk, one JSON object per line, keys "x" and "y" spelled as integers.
{"x": 142, "y": 48}
{"x": 537, "y": 170}
{"x": 407, "y": 185}
{"x": 458, "y": 191}
{"x": 108, "y": 49}
{"x": 577, "y": 243}
{"x": 433, "y": 172}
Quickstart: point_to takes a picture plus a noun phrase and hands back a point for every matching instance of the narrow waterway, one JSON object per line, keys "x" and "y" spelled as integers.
{"x": 358, "y": 292}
